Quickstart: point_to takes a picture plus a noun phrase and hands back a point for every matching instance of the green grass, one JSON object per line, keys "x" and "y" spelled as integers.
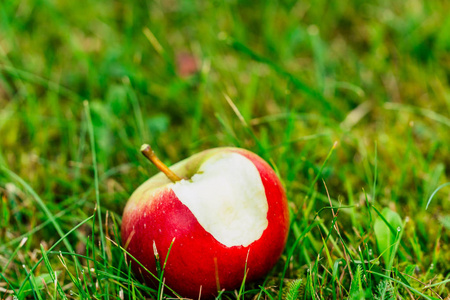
{"x": 348, "y": 100}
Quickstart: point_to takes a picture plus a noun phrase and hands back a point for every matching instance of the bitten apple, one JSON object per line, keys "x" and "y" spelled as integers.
{"x": 222, "y": 213}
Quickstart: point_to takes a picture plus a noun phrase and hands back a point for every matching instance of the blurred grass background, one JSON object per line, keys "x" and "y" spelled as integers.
{"x": 284, "y": 79}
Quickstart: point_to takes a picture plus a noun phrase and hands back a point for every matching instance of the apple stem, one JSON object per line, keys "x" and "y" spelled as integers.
{"x": 147, "y": 151}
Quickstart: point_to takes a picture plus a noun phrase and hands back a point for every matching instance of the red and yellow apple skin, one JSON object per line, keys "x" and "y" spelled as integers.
{"x": 154, "y": 215}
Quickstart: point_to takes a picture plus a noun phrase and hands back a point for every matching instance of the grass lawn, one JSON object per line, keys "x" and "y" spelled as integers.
{"x": 348, "y": 100}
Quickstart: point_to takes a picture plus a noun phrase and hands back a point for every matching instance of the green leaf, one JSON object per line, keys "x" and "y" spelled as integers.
{"x": 39, "y": 282}
{"x": 385, "y": 291}
{"x": 383, "y": 233}
{"x": 356, "y": 289}
{"x": 402, "y": 278}
{"x": 410, "y": 269}
{"x": 295, "y": 290}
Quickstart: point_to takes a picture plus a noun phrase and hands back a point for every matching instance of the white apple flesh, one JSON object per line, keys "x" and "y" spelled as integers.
{"x": 227, "y": 197}
{"x": 229, "y": 213}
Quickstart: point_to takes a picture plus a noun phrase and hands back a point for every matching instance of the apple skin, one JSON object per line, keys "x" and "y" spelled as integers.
{"x": 154, "y": 214}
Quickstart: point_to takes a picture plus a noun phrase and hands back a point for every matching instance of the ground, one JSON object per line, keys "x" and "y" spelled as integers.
{"x": 349, "y": 101}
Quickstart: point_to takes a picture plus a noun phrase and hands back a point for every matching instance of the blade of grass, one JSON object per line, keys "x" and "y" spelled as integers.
{"x": 23, "y": 241}
{"x": 403, "y": 284}
{"x": 63, "y": 238}
{"x": 435, "y": 191}
{"x": 375, "y": 174}
{"x": 52, "y": 274}
{"x": 96, "y": 181}
{"x": 418, "y": 110}
{"x": 311, "y": 187}
{"x": 300, "y": 85}
{"x": 43, "y": 207}
{"x": 9, "y": 284}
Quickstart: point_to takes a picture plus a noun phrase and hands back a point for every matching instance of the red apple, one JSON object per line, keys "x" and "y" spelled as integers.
{"x": 227, "y": 218}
